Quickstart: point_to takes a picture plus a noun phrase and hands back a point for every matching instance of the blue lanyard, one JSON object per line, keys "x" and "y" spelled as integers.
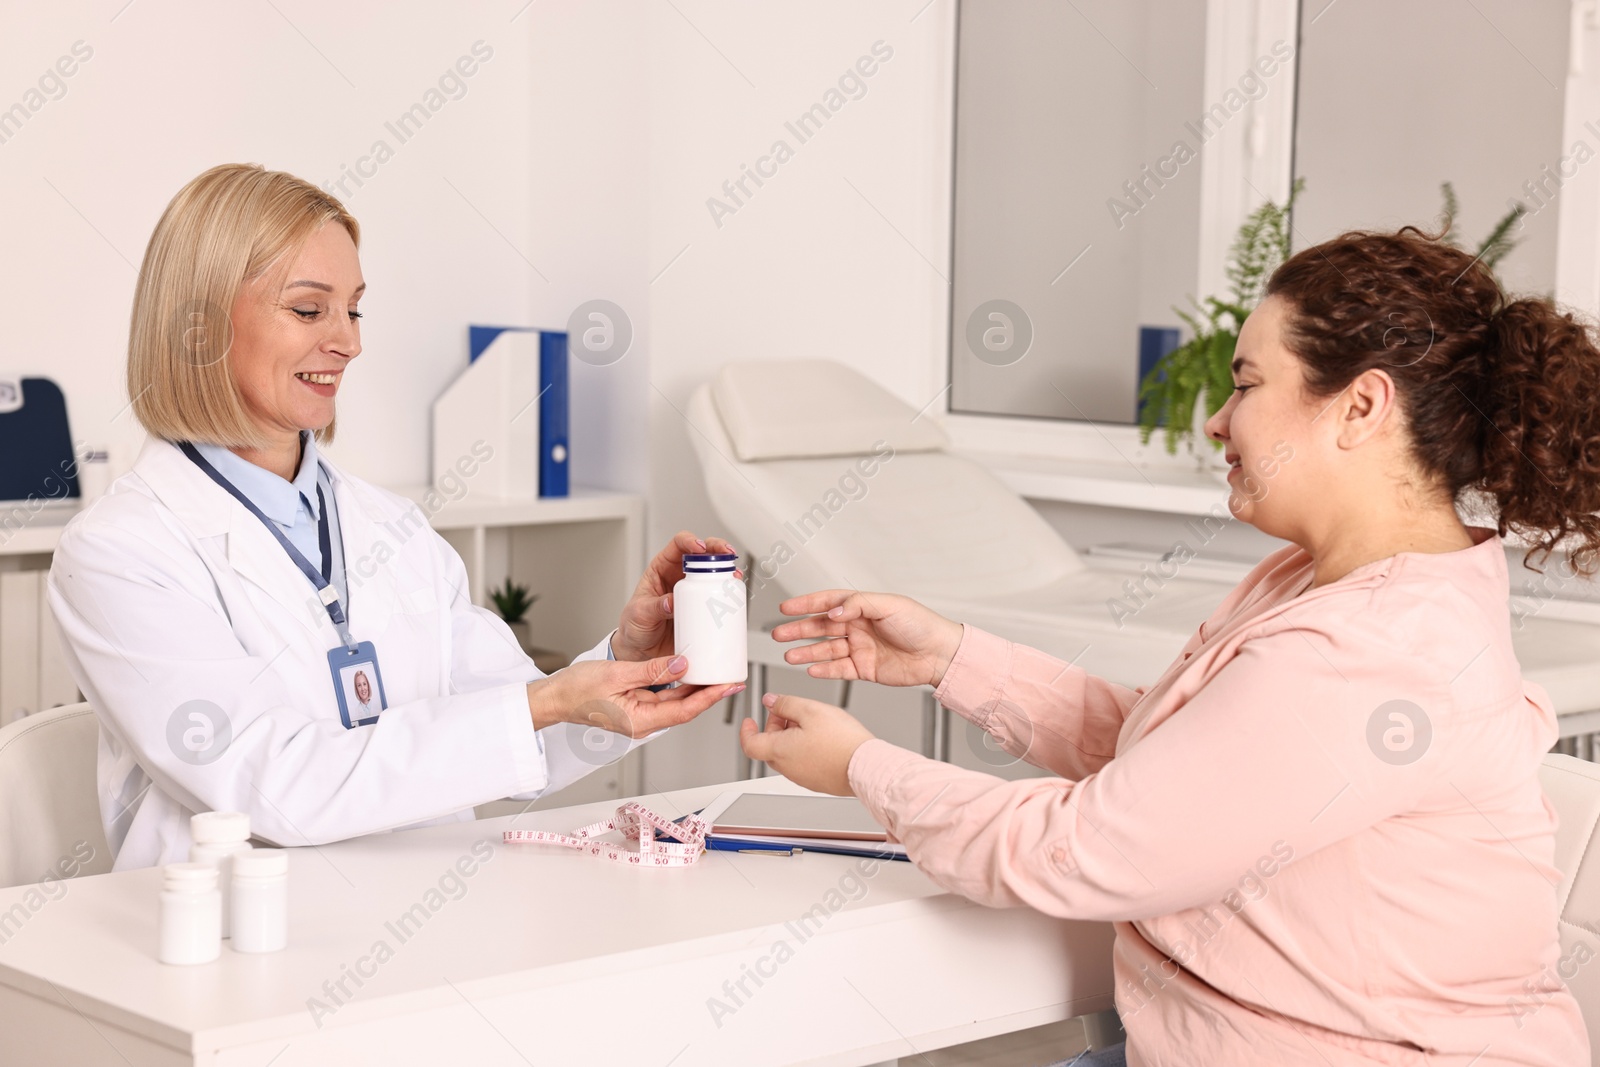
{"x": 321, "y": 579}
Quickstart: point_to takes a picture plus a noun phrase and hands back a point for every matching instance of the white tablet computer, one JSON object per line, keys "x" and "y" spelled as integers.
{"x": 785, "y": 815}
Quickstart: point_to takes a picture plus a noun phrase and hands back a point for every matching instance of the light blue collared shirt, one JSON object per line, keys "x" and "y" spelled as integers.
{"x": 292, "y": 506}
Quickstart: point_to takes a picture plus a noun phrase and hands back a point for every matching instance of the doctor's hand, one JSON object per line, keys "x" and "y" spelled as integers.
{"x": 806, "y": 741}
{"x": 876, "y": 637}
{"x": 612, "y": 696}
{"x": 646, "y": 628}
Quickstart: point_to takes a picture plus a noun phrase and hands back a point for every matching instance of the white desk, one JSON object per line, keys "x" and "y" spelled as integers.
{"x": 547, "y": 957}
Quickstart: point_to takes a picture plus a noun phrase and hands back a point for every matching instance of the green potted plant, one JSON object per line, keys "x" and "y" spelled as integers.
{"x": 1493, "y": 248}
{"x": 512, "y": 601}
{"x": 1201, "y": 368}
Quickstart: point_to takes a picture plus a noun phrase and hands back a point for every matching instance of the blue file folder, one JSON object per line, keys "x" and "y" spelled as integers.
{"x": 553, "y": 448}
{"x": 554, "y": 444}
{"x": 1154, "y": 342}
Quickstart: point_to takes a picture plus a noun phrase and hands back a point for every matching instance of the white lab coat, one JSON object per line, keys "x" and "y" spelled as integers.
{"x": 168, "y": 592}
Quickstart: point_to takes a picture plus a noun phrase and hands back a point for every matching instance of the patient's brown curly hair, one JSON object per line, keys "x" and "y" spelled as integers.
{"x": 1502, "y": 396}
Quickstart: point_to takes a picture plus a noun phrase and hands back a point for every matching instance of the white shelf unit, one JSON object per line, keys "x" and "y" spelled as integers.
{"x": 33, "y": 672}
{"x": 582, "y": 555}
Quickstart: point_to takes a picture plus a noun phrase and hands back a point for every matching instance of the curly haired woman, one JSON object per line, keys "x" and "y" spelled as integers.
{"x": 1320, "y": 833}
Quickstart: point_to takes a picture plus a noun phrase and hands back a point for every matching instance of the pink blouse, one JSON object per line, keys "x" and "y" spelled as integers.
{"x": 1320, "y": 834}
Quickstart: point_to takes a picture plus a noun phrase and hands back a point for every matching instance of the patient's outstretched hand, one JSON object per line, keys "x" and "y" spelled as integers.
{"x": 806, "y": 741}
{"x": 876, "y": 637}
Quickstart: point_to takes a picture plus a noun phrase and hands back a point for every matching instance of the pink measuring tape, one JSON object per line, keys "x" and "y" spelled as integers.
{"x": 679, "y": 845}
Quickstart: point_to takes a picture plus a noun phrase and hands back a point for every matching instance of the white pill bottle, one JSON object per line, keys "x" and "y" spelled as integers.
{"x": 216, "y": 837}
{"x": 191, "y": 914}
{"x": 708, "y": 619}
{"x": 260, "y": 900}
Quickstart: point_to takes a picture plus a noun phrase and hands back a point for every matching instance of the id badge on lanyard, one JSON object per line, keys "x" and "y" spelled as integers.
{"x": 357, "y": 682}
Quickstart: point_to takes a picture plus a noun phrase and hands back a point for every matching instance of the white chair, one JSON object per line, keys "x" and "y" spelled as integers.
{"x": 784, "y": 447}
{"x": 1573, "y": 786}
{"x": 1559, "y": 648}
{"x": 49, "y": 807}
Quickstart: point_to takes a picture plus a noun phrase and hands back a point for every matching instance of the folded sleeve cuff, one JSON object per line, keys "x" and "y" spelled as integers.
{"x": 976, "y": 678}
{"x": 523, "y": 742}
{"x": 872, "y": 772}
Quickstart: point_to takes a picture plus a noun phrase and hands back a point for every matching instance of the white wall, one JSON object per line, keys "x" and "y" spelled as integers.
{"x": 843, "y": 254}
{"x": 543, "y": 151}
{"x": 576, "y": 166}
{"x": 584, "y": 151}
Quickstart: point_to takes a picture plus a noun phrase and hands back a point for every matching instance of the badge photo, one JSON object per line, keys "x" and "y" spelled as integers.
{"x": 358, "y": 684}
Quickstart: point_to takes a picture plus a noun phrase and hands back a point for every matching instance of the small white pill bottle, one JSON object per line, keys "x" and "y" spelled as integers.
{"x": 217, "y": 837}
{"x": 708, "y": 620}
{"x": 94, "y": 474}
{"x": 260, "y": 900}
{"x": 191, "y": 914}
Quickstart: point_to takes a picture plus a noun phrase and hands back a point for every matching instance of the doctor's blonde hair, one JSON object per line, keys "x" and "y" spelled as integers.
{"x": 228, "y": 226}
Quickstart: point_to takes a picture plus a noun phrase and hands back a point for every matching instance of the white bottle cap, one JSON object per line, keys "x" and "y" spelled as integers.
{"x": 219, "y": 827}
{"x": 710, "y": 562}
{"x": 261, "y": 863}
{"x": 190, "y": 877}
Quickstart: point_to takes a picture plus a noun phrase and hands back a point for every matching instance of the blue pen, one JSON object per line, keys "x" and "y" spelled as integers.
{"x": 724, "y": 845}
